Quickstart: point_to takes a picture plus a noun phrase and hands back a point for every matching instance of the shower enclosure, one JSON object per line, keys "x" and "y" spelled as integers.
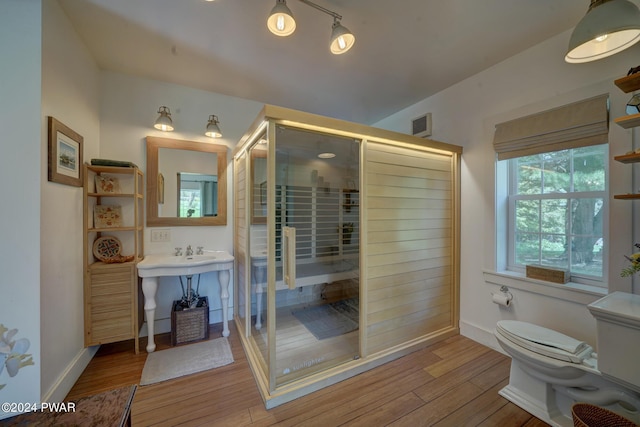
{"x": 346, "y": 248}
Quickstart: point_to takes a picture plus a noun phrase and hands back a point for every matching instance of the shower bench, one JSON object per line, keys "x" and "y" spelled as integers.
{"x": 308, "y": 273}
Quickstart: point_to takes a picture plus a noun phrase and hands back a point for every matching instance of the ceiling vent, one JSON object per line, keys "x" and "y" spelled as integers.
{"x": 421, "y": 126}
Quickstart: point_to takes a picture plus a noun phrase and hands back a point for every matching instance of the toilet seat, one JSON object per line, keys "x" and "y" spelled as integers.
{"x": 544, "y": 341}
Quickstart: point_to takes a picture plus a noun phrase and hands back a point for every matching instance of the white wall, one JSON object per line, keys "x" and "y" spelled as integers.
{"x": 466, "y": 114}
{"x": 129, "y": 108}
{"x": 20, "y": 174}
{"x": 70, "y": 93}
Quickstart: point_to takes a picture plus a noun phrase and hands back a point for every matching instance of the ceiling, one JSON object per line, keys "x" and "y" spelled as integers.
{"x": 405, "y": 50}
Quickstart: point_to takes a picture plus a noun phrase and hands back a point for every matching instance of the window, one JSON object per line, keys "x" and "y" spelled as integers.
{"x": 556, "y": 205}
{"x": 198, "y": 195}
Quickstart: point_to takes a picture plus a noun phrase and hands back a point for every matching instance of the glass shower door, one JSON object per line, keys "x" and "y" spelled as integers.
{"x": 317, "y": 221}
{"x": 258, "y": 248}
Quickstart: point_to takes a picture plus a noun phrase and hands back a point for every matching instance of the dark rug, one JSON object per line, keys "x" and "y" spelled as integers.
{"x": 330, "y": 320}
{"x": 109, "y": 409}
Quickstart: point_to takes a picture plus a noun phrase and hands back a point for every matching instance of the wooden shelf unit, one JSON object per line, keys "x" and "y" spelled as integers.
{"x": 628, "y": 122}
{"x": 112, "y": 309}
{"x": 629, "y": 196}
{"x": 627, "y": 158}
{"x": 628, "y": 84}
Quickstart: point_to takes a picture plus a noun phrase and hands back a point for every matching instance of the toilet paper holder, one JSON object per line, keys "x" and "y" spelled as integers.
{"x": 504, "y": 299}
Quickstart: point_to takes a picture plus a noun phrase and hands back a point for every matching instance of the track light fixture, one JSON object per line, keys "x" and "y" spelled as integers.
{"x": 610, "y": 26}
{"x": 163, "y": 122}
{"x": 341, "y": 38}
{"x": 281, "y": 23}
{"x": 213, "y": 130}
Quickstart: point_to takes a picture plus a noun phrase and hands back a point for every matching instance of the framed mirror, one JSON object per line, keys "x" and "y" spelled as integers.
{"x": 186, "y": 183}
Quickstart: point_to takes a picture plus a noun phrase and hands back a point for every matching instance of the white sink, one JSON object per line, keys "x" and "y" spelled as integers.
{"x": 156, "y": 265}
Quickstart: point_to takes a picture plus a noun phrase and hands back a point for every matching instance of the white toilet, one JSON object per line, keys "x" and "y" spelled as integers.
{"x": 551, "y": 371}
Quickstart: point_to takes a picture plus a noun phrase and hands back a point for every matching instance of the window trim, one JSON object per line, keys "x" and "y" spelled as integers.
{"x": 505, "y": 220}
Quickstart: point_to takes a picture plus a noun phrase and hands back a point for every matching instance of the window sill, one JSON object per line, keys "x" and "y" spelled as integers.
{"x": 573, "y": 292}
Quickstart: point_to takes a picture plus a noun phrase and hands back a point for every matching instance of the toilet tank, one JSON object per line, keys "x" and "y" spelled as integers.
{"x": 618, "y": 335}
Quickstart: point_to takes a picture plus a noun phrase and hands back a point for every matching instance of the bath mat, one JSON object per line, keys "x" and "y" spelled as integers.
{"x": 329, "y": 320}
{"x": 184, "y": 360}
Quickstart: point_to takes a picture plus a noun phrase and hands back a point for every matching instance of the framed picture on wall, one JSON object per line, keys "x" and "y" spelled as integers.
{"x": 65, "y": 154}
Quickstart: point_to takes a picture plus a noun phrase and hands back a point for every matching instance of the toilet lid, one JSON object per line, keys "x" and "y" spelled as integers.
{"x": 544, "y": 341}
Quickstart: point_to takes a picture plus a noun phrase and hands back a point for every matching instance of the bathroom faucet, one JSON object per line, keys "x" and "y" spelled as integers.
{"x": 189, "y": 251}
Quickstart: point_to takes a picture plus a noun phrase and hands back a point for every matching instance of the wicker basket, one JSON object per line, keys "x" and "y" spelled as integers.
{"x": 190, "y": 324}
{"x": 588, "y": 415}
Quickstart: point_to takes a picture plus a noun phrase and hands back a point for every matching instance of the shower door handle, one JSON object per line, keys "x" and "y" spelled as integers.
{"x": 289, "y": 256}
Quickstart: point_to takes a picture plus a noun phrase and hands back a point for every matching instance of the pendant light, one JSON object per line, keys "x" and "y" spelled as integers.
{"x": 341, "y": 38}
{"x": 609, "y": 27}
{"x": 163, "y": 122}
{"x": 281, "y": 22}
{"x": 213, "y": 130}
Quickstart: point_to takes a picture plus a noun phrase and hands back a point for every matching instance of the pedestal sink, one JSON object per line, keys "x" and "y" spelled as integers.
{"x": 154, "y": 266}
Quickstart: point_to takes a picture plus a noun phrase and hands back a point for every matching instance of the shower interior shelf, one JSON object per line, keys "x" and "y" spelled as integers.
{"x": 350, "y": 199}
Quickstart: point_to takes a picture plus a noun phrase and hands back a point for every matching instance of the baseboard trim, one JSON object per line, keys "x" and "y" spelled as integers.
{"x": 480, "y": 335}
{"x": 68, "y": 378}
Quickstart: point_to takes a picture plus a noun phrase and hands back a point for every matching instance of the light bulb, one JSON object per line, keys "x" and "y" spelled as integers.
{"x": 280, "y": 23}
{"x": 602, "y": 38}
{"x": 341, "y": 43}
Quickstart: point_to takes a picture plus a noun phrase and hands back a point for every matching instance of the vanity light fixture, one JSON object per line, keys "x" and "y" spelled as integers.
{"x": 163, "y": 122}
{"x": 610, "y": 26}
{"x": 213, "y": 130}
{"x": 281, "y": 23}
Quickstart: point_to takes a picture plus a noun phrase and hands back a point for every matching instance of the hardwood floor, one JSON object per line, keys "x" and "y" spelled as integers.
{"x": 452, "y": 383}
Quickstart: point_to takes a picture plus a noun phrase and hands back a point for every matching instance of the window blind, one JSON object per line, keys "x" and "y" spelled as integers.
{"x": 579, "y": 124}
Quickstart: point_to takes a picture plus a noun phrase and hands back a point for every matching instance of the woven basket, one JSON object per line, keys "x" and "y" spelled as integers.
{"x": 588, "y": 415}
{"x": 190, "y": 324}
